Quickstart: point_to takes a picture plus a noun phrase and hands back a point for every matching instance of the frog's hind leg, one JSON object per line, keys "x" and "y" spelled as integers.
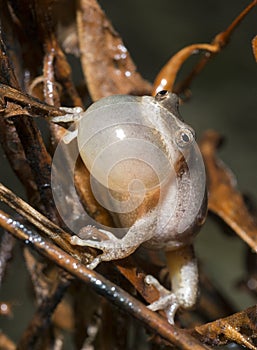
{"x": 183, "y": 271}
{"x": 166, "y": 302}
{"x": 116, "y": 248}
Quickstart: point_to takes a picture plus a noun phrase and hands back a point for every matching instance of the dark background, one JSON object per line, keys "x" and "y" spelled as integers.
{"x": 224, "y": 98}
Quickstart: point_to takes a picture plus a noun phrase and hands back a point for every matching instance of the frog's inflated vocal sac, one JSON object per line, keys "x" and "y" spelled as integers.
{"x": 147, "y": 170}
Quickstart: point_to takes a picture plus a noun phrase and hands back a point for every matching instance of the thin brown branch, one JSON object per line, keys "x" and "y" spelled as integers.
{"x": 113, "y": 293}
{"x": 29, "y": 104}
{"x": 224, "y": 37}
{"x": 14, "y": 151}
{"x": 39, "y": 161}
{"x": 55, "y": 65}
{"x": 166, "y": 77}
{"x": 64, "y": 76}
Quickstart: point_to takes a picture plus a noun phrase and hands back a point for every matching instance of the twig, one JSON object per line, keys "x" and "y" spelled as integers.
{"x": 29, "y": 103}
{"x": 39, "y": 161}
{"x": 102, "y": 286}
{"x": 55, "y": 62}
{"x": 166, "y": 77}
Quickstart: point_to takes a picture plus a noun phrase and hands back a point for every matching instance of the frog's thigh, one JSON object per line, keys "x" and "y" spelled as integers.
{"x": 183, "y": 271}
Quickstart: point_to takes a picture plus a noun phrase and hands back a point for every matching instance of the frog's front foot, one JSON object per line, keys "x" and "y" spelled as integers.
{"x": 113, "y": 248}
{"x": 72, "y": 114}
{"x": 167, "y": 301}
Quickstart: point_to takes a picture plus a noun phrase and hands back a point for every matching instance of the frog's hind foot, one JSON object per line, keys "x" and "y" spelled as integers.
{"x": 167, "y": 301}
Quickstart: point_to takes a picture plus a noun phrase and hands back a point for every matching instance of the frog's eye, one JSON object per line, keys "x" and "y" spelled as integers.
{"x": 184, "y": 137}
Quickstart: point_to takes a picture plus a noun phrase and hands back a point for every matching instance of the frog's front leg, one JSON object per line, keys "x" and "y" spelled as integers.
{"x": 72, "y": 114}
{"x": 183, "y": 272}
{"x": 117, "y": 248}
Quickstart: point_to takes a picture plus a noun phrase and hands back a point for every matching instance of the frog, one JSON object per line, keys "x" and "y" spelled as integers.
{"x": 145, "y": 160}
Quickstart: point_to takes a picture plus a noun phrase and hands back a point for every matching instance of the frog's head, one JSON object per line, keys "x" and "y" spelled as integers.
{"x": 163, "y": 113}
